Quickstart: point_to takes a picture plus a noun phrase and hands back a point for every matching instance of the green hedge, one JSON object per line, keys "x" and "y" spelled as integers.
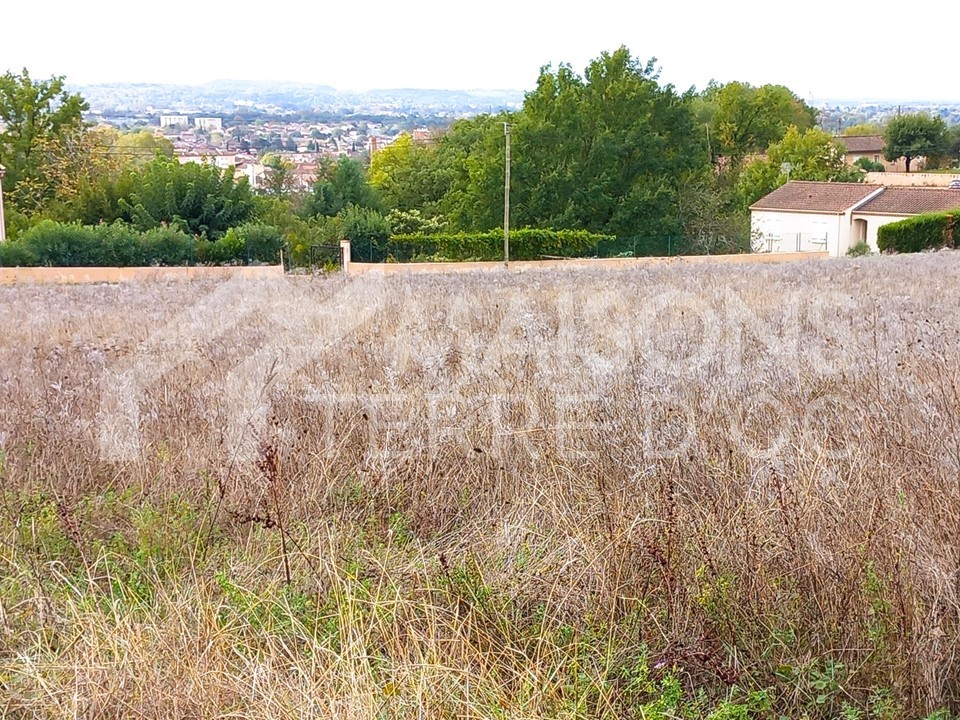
{"x": 120, "y": 245}
{"x": 525, "y": 244}
{"x": 922, "y": 232}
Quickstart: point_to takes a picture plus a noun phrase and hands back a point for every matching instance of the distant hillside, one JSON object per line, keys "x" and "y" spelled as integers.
{"x": 224, "y": 96}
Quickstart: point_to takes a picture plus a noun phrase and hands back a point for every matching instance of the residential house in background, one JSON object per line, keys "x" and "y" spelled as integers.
{"x": 806, "y": 216}
{"x": 897, "y": 203}
{"x": 211, "y": 124}
{"x": 174, "y": 120}
{"x": 871, "y": 147}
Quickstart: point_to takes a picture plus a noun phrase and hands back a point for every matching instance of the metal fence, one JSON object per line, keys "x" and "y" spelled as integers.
{"x": 367, "y": 250}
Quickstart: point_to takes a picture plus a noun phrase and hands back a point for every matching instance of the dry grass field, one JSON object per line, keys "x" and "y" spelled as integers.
{"x": 673, "y": 492}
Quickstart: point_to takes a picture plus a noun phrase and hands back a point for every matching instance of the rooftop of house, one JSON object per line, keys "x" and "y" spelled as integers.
{"x": 816, "y": 197}
{"x": 863, "y": 143}
{"x": 912, "y": 201}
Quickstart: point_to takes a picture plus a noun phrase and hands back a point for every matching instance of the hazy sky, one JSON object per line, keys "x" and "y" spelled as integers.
{"x": 819, "y": 49}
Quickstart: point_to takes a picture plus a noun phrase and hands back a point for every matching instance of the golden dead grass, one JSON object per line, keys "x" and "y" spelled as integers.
{"x": 650, "y": 493}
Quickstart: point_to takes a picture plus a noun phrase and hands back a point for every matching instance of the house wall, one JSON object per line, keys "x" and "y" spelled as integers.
{"x": 784, "y": 232}
{"x": 874, "y": 222}
{"x": 81, "y": 275}
{"x": 897, "y": 166}
{"x": 913, "y": 179}
{"x": 521, "y": 266}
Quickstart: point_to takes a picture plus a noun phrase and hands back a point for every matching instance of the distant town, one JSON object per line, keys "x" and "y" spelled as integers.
{"x": 237, "y": 124}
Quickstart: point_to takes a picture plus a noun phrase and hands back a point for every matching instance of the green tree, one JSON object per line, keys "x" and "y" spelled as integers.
{"x": 811, "y": 155}
{"x": 201, "y": 199}
{"x": 34, "y": 114}
{"x": 72, "y": 162}
{"x": 606, "y": 152}
{"x": 952, "y": 145}
{"x": 469, "y": 168}
{"x": 747, "y": 119}
{"x": 139, "y": 148}
{"x": 864, "y": 129}
{"x": 279, "y": 180}
{"x": 407, "y": 176}
{"x": 911, "y": 136}
{"x": 868, "y": 165}
{"x": 347, "y": 185}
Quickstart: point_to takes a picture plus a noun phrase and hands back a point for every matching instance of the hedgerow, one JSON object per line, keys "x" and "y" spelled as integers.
{"x": 119, "y": 244}
{"x": 922, "y": 232}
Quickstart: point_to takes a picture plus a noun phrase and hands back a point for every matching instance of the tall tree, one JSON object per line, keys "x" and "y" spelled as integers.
{"x": 746, "y": 119}
{"x": 139, "y": 148}
{"x": 35, "y": 115}
{"x": 347, "y": 185}
{"x": 408, "y": 176}
{"x": 279, "y": 180}
{"x": 912, "y": 136}
{"x": 605, "y": 151}
{"x": 811, "y": 155}
{"x": 199, "y": 198}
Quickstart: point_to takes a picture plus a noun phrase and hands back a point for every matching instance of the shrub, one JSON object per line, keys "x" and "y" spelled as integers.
{"x": 166, "y": 246}
{"x": 868, "y": 165}
{"x": 262, "y": 243}
{"x": 14, "y": 253}
{"x": 54, "y": 244}
{"x": 245, "y": 244}
{"x": 525, "y": 244}
{"x": 65, "y": 245}
{"x": 922, "y": 232}
{"x": 858, "y": 249}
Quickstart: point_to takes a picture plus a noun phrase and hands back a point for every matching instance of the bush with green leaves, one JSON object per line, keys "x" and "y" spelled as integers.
{"x": 921, "y": 232}
{"x": 199, "y": 198}
{"x": 525, "y": 244}
{"x": 54, "y": 244}
{"x": 858, "y": 249}
{"x": 250, "y": 243}
{"x": 868, "y": 165}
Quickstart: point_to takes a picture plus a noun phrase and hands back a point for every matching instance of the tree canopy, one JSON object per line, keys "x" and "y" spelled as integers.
{"x": 36, "y": 115}
{"x": 605, "y": 151}
{"x": 744, "y": 119}
{"x": 347, "y": 185}
{"x": 912, "y": 136}
{"x": 810, "y": 155}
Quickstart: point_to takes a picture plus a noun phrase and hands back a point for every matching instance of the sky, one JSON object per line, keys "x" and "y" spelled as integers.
{"x": 818, "y": 49}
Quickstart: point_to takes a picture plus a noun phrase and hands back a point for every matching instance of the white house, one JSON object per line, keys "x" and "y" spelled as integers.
{"x": 871, "y": 147}
{"x": 221, "y": 160}
{"x": 207, "y": 123}
{"x": 174, "y": 120}
{"x": 826, "y": 216}
{"x": 897, "y": 203}
{"x": 809, "y": 216}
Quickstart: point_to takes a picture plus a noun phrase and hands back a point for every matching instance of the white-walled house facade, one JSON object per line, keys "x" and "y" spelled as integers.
{"x": 829, "y": 217}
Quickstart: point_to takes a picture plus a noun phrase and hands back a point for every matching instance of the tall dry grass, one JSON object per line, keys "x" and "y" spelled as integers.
{"x": 666, "y": 492}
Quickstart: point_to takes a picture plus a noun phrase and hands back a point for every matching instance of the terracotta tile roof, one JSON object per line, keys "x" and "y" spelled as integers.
{"x": 863, "y": 143}
{"x": 816, "y": 197}
{"x": 912, "y": 201}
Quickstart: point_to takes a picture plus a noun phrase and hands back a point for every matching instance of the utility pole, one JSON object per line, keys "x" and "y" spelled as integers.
{"x": 506, "y": 197}
{"x": 3, "y": 229}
